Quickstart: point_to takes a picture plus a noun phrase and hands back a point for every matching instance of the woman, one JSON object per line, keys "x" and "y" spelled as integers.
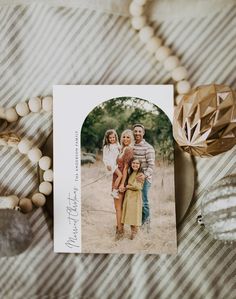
{"x": 123, "y": 160}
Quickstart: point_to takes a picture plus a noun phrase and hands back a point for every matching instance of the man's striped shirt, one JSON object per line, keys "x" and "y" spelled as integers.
{"x": 146, "y": 154}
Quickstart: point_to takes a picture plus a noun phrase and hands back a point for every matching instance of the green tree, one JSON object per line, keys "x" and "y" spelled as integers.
{"x": 122, "y": 113}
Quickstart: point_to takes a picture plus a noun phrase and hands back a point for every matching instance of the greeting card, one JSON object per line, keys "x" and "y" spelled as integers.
{"x": 114, "y": 169}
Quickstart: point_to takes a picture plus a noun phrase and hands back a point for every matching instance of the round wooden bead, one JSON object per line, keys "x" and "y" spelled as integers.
{"x": 11, "y": 115}
{"x": 146, "y": 33}
{"x": 171, "y": 63}
{"x": 45, "y": 188}
{"x": 34, "y": 154}
{"x": 135, "y": 9}
{"x": 183, "y": 87}
{"x": 35, "y": 104}
{"x": 24, "y": 146}
{"x": 2, "y": 112}
{"x": 153, "y": 44}
{"x": 47, "y": 104}
{"x": 140, "y": 2}
{"x": 22, "y": 109}
{"x": 25, "y": 205}
{"x": 162, "y": 53}
{"x": 48, "y": 175}
{"x": 38, "y": 199}
{"x": 138, "y": 22}
{"x": 179, "y": 73}
{"x": 45, "y": 163}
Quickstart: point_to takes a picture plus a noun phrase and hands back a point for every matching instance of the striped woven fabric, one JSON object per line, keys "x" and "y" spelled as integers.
{"x": 42, "y": 45}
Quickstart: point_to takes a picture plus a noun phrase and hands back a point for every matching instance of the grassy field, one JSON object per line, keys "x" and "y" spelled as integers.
{"x": 98, "y": 214}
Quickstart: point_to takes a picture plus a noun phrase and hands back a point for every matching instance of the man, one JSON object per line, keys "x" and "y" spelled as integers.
{"x": 146, "y": 154}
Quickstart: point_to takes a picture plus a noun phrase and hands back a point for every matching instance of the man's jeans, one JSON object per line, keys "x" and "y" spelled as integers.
{"x": 145, "y": 211}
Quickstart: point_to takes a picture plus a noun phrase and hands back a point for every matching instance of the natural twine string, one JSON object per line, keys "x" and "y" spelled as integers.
{"x": 10, "y": 138}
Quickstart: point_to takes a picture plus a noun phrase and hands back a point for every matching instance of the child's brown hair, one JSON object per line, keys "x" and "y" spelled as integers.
{"x": 130, "y": 166}
{"x": 106, "y": 137}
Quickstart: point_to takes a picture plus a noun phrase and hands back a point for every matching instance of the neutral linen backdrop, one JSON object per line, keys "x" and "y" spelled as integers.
{"x": 91, "y": 42}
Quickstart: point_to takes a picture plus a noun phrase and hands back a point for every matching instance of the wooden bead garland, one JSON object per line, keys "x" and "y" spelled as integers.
{"x": 26, "y": 147}
{"x": 22, "y": 109}
{"x": 154, "y": 45}
{"x": 45, "y": 188}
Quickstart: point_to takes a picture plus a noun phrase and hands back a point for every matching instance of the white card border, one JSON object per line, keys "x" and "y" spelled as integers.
{"x": 71, "y": 105}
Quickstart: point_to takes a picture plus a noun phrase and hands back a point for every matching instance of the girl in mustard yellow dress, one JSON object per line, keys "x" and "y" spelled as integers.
{"x": 132, "y": 205}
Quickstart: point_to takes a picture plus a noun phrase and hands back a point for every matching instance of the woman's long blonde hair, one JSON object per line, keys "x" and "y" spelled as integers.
{"x": 127, "y": 132}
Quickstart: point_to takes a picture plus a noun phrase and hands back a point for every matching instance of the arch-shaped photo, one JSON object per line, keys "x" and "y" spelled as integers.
{"x": 127, "y": 178}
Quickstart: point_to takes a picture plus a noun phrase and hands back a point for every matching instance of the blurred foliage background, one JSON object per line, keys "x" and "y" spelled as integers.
{"x": 122, "y": 113}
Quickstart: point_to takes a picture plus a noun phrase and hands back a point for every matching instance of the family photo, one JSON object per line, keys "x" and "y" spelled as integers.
{"x": 127, "y": 170}
{"x": 131, "y": 163}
